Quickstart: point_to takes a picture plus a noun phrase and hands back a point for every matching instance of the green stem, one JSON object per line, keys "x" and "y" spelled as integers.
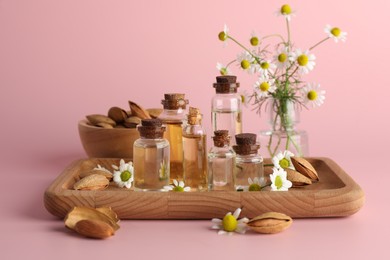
{"x": 227, "y": 65}
{"x": 273, "y": 35}
{"x": 245, "y": 48}
{"x": 288, "y": 36}
{"x": 315, "y": 45}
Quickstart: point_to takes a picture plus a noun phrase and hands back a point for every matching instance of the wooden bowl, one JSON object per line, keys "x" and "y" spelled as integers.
{"x": 100, "y": 142}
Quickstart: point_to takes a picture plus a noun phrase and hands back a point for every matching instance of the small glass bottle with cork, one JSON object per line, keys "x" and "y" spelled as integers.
{"x": 173, "y": 117}
{"x": 249, "y": 171}
{"x": 226, "y": 106}
{"x": 194, "y": 152}
{"x": 221, "y": 163}
{"x": 151, "y": 157}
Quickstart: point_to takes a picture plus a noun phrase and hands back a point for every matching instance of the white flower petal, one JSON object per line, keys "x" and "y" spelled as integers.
{"x": 237, "y": 213}
{"x": 216, "y": 220}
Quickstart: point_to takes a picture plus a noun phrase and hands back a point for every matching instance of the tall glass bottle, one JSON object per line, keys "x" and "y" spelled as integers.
{"x": 194, "y": 152}
{"x": 249, "y": 171}
{"x": 151, "y": 157}
{"x": 226, "y": 106}
{"x": 173, "y": 117}
{"x": 221, "y": 163}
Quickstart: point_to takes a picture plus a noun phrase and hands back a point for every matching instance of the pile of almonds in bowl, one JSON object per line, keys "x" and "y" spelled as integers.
{"x": 121, "y": 118}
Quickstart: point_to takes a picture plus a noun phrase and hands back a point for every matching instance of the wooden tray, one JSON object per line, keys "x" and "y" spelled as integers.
{"x": 335, "y": 195}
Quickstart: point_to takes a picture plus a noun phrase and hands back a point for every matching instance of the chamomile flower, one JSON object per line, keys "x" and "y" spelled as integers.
{"x": 223, "y": 70}
{"x": 177, "y": 186}
{"x": 164, "y": 170}
{"x": 254, "y": 40}
{"x": 124, "y": 174}
{"x": 244, "y": 97}
{"x": 335, "y": 33}
{"x": 304, "y": 59}
{"x": 313, "y": 95}
{"x": 283, "y": 160}
{"x": 256, "y": 184}
{"x": 281, "y": 58}
{"x": 266, "y": 68}
{"x": 279, "y": 180}
{"x": 286, "y": 11}
{"x": 264, "y": 86}
{"x": 230, "y": 223}
{"x": 223, "y": 36}
{"x": 247, "y": 62}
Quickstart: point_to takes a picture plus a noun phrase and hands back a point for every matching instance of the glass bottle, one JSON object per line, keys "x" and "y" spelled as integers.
{"x": 151, "y": 157}
{"x": 249, "y": 171}
{"x": 221, "y": 163}
{"x": 194, "y": 152}
{"x": 173, "y": 117}
{"x": 226, "y": 106}
{"x": 283, "y": 116}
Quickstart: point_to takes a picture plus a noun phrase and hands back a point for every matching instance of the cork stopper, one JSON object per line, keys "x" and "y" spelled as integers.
{"x": 221, "y": 138}
{"x": 151, "y": 129}
{"x": 194, "y": 116}
{"x": 246, "y": 144}
{"x": 226, "y": 84}
{"x": 174, "y": 101}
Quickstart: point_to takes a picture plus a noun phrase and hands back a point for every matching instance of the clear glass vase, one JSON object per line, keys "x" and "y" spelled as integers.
{"x": 283, "y": 116}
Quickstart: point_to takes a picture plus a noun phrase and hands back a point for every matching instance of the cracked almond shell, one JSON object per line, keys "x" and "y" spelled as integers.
{"x": 270, "y": 223}
{"x": 104, "y": 214}
{"x": 96, "y": 119}
{"x": 297, "y": 179}
{"x": 117, "y": 114}
{"x": 92, "y": 182}
{"x": 137, "y": 110}
{"x": 304, "y": 167}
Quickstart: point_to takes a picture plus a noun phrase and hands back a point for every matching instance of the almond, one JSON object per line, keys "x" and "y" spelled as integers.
{"x": 94, "y": 228}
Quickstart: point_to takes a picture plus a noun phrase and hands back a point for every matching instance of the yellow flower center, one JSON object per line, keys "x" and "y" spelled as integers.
{"x": 245, "y": 64}
{"x": 264, "y": 65}
{"x": 285, "y": 9}
{"x": 303, "y": 60}
{"x": 335, "y": 31}
{"x": 243, "y": 99}
{"x": 254, "y": 41}
{"x": 229, "y": 223}
{"x": 278, "y": 182}
{"x": 125, "y": 176}
{"x": 282, "y": 57}
{"x": 312, "y": 95}
{"x": 222, "y": 36}
{"x": 264, "y": 86}
{"x": 223, "y": 71}
{"x": 284, "y": 163}
{"x": 254, "y": 187}
{"x": 178, "y": 188}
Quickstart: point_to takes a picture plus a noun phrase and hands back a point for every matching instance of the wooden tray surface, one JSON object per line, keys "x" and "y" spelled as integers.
{"x": 335, "y": 195}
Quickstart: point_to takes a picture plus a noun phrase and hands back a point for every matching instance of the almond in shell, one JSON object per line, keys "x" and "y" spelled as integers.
{"x": 96, "y": 119}
{"x": 92, "y": 182}
{"x": 94, "y": 228}
{"x": 106, "y": 174}
{"x": 154, "y": 112}
{"x": 270, "y": 223}
{"x": 297, "y": 179}
{"x": 304, "y": 167}
{"x": 137, "y": 110}
{"x": 117, "y": 114}
{"x": 104, "y": 214}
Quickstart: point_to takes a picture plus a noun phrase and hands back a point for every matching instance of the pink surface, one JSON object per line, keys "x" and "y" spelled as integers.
{"x": 61, "y": 60}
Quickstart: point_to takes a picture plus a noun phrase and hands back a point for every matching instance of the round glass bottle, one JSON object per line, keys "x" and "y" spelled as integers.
{"x": 249, "y": 171}
{"x": 283, "y": 116}
{"x": 194, "y": 152}
{"x": 221, "y": 163}
{"x": 151, "y": 157}
{"x": 226, "y": 106}
{"x": 172, "y": 118}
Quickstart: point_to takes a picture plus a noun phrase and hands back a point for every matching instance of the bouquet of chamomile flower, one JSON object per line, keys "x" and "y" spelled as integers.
{"x": 279, "y": 85}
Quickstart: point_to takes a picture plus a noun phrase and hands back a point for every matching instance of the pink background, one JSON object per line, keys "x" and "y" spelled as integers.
{"x": 62, "y": 60}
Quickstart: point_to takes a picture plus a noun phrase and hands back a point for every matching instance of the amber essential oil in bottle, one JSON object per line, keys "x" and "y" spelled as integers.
{"x": 173, "y": 117}
{"x": 151, "y": 157}
{"x": 194, "y": 152}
